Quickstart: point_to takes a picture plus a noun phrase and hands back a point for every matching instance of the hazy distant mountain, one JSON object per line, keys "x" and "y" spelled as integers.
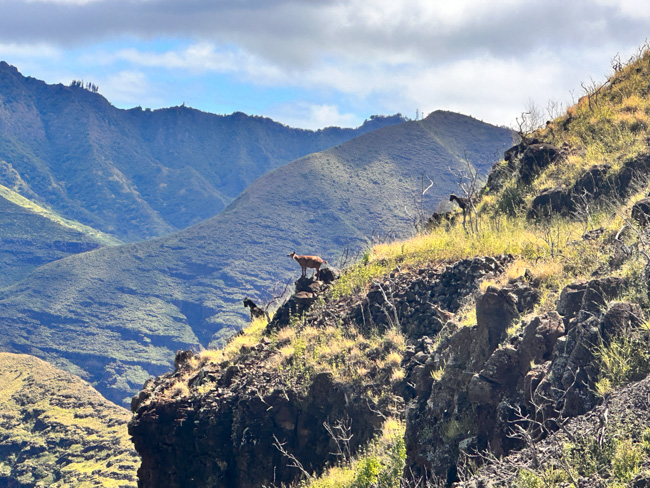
{"x": 138, "y": 173}
{"x": 118, "y": 314}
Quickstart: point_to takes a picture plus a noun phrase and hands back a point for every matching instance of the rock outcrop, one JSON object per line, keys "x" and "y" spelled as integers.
{"x": 233, "y": 414}
{"x": 478, "y": 380}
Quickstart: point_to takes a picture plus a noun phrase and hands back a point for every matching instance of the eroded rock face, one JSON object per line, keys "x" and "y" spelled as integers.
{"x": 465, "y": 407}
{"x": 224, "y": 437}
{"x": 422, "y": 305}
{"x": 227, "y": 438}
{"x": 489, "y": 379}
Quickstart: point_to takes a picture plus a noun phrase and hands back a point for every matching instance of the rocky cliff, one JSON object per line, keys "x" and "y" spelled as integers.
{"x": 514, "y": 346}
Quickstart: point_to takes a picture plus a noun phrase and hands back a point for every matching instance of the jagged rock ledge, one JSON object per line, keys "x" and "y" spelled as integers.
{"x": 216, "y": 433}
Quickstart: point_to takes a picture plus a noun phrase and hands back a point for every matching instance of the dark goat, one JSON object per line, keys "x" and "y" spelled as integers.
{"x": 256, "y": 312}
{"x": 463, "y": 203}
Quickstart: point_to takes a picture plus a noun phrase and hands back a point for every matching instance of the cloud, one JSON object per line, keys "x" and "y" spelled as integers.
{"x": 298, "y": 33}
{"x": 29, "y": 51}
{"x": 485, "y": 58}
{"x": 129, "y": 88}
{"x": 308, "y": 115}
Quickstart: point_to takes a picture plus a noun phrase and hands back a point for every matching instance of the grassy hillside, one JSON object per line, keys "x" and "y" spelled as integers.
{"x": 591, "y": 237}
{"x": 32, "y": 236}
{"x": 56, "y": 430}
{"x": 118, "y": 314}
{"x": 137, "y": 173}
{"x": 552, "y": 342}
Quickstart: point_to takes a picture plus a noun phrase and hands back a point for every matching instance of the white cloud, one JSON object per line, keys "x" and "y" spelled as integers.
{"x": 629, "y": 8}
{"x": 485, "y": 58}
{"x": 130, "y": 88}
{"x": 29, "y": 51}
{"x": 312, "y": 116}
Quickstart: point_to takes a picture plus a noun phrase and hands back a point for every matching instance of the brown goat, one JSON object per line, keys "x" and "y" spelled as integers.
{"x": 305, "y": 262}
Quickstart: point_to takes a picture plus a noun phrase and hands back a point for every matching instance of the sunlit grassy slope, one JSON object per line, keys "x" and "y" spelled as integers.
{"x": 608, "y": 126}
{"x": 31, "y": 235}
{"x": 28, "y": 205}
{"x": 56, "y": 430}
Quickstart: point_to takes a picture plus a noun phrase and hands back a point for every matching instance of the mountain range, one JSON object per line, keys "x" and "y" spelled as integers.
{"x": 117, "y": 314}
{"x": 139, "y": 173}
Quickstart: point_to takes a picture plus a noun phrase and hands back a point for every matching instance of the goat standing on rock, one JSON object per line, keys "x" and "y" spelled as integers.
{"x": 256, "y": 312}
{"x": 308, "y": 262}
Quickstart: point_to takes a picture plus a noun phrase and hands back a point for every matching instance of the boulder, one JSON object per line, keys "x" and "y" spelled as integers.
{"x": 551, "y": 201}
{"x": 329, "y": 275}
{"x": 539, "y": 337}
{"x": 589, "y": 297}
{"x": 495, "y": 311}
{"x": 620, "y": 318}
{"x": 641, "y": 212}
{"x": 593, "y": 182}
{"x": 535, "y": 158}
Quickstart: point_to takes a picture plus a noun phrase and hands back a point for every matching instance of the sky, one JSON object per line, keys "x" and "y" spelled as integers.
{"x": 319, "y": 63}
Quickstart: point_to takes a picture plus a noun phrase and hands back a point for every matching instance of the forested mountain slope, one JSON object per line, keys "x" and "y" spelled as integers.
{"x": 31, "y": 236}
{"x": 118, "y": 314}
{"x": 137, "y": 173}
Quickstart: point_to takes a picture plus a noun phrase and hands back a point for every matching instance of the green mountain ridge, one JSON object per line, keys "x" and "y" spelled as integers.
{"x": 116, "y": 315}
{"x": 138, "y": 174}
{"x": 31, "y": 236}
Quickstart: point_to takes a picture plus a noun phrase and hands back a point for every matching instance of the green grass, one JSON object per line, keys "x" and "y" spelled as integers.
{"x": 380, "y": 466}
{"x": 51, "y": 420}
{"x": 101, "y": 237}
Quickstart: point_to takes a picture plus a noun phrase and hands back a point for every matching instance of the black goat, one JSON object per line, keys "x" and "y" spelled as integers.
{"x": 256, "y": 312}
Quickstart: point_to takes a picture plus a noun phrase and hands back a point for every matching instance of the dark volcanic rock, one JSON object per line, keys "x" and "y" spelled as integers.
{"x": 641, "y": 212}
{"x": 625, "y": 415}
{"x": 593, "y": 182}
{"x": 551, "y": 201}
{"x": 535, "y": 158}
{"x": 306, "y": 292}
{"x": 227, "y": 437}
{"x": 547, "y": 369}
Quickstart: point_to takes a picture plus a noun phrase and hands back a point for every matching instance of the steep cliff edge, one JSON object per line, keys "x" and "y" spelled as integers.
{"x": 516, "y": 368}
{"x": 217, "y": 420}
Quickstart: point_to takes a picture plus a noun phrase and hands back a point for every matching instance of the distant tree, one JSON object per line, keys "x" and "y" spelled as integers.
{"x": 91, "y": 87}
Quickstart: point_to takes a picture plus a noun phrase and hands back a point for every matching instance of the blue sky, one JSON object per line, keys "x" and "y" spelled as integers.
{"x": 316, "y": 63}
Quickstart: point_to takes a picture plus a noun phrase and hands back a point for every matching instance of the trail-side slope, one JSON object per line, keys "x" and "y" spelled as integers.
{"x": 484, "y": 357}
{"x": 120, "y": 313}
{"x": 56, "y": 430}
{"x": 138, "y": 173}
